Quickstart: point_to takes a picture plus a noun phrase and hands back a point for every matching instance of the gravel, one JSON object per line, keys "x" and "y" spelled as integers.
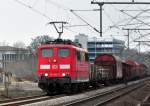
{"x": 134, "y": 98}
{"x": 20, "y": 89}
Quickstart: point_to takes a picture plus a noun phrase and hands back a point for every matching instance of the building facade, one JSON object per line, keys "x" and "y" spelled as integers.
{"x": 10, "y": 54}
{"x": 82, "y": 39}
{"x": 98, "y": 46}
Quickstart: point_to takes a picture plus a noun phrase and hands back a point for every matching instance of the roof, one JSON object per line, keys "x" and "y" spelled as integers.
{"x": 10, "y": 48}
{"x": 107, "y": 57}
{"x": 61, "y": 46}
{"x": 143, "y": 65}
{"x": 97, "y": 39}
{"x": 131, "y": 62}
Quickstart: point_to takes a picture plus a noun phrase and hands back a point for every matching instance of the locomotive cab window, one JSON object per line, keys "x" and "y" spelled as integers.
{"x": 63, "y": 52}
{"x": 47, "y": 52}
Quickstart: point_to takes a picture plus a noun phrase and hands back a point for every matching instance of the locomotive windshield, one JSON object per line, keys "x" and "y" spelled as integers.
{"x": 47, "y": 52}
{"x": 63, "y": 52}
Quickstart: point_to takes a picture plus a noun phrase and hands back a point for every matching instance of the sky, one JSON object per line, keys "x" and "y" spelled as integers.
{"x": 20, "y": 23}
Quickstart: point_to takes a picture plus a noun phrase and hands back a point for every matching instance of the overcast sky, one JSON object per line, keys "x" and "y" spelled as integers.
{"x": 19, "y": 23}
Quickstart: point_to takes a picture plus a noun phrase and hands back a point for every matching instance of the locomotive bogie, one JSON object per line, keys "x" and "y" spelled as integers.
{"x": 53, "y": 84}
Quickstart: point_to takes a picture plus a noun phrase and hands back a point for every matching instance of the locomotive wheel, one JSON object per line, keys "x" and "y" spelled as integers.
{"x": 75, "y": 88}
{"x": 59, "y": 89}
{"x": 80, "y": 87}
{"x": 49, "y": 93}
{"x": 67, "y": 88}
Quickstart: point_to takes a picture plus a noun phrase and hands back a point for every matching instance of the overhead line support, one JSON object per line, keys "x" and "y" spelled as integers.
{"x": 102, "y": 3}
{"x": 140, "y": 44}
{"x": 128, "y": 29}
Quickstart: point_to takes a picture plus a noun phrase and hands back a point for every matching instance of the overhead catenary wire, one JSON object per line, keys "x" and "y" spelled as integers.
{"x": 38, "y": 12}
{"x": 117, "y": 24}
{"x": 72, "y": 11}
{"x": 135, "y": 18}
{"x": 58, "y": 5}
{"x": 132, "y": 17}
{"x": 88, "y": 10}
{"x": 110, "y": 19}
{"x": 62, "y": 7}
{"x": 33, "y": 9}
{"x": 134, "y": 10}
{"x": 142, "y": 35}
{"x": 35, "y": 2}
{"x": 84, "y": 21}
{"x": 67, "y": 9}
{"x": 121, "y": 25}
{"x": 76, "y": 25}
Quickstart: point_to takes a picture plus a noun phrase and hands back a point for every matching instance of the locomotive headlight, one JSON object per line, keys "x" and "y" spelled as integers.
{"x": 54, "y": 60}
{"x": 46, "y": 74}
{"x": 63, "y": 74}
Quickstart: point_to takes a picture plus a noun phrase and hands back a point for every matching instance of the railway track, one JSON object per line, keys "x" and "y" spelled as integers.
{"x": 27, "y": 100}
{"x": 94, "y": 100}
{"x": 104, "y": 98}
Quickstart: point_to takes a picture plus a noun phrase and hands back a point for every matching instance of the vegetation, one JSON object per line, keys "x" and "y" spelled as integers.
{"x": 37, "y": 41}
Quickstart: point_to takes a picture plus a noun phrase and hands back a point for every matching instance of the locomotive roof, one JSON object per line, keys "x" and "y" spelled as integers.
{"x": 63, "y": 43}
{"x": 62, "y": 46}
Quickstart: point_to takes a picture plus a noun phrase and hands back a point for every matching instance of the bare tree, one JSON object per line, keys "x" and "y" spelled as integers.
{"x": 37, "y": 41}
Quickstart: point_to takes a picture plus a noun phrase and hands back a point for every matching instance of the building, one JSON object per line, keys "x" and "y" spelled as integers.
{"x": 10, "y": 54}
{"x": 82, "y": 39}
{"x": 98, "y": 46}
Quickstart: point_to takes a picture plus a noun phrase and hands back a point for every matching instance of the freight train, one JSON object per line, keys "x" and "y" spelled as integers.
{"x": 64, "y": 66}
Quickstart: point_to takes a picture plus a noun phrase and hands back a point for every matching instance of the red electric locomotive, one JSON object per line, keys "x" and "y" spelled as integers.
{"x": 61, "y": 65}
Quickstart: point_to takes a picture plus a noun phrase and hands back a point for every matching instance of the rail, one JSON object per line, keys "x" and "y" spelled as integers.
{"x": 104, "y": 98}
{"x": 27, "y": 100}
